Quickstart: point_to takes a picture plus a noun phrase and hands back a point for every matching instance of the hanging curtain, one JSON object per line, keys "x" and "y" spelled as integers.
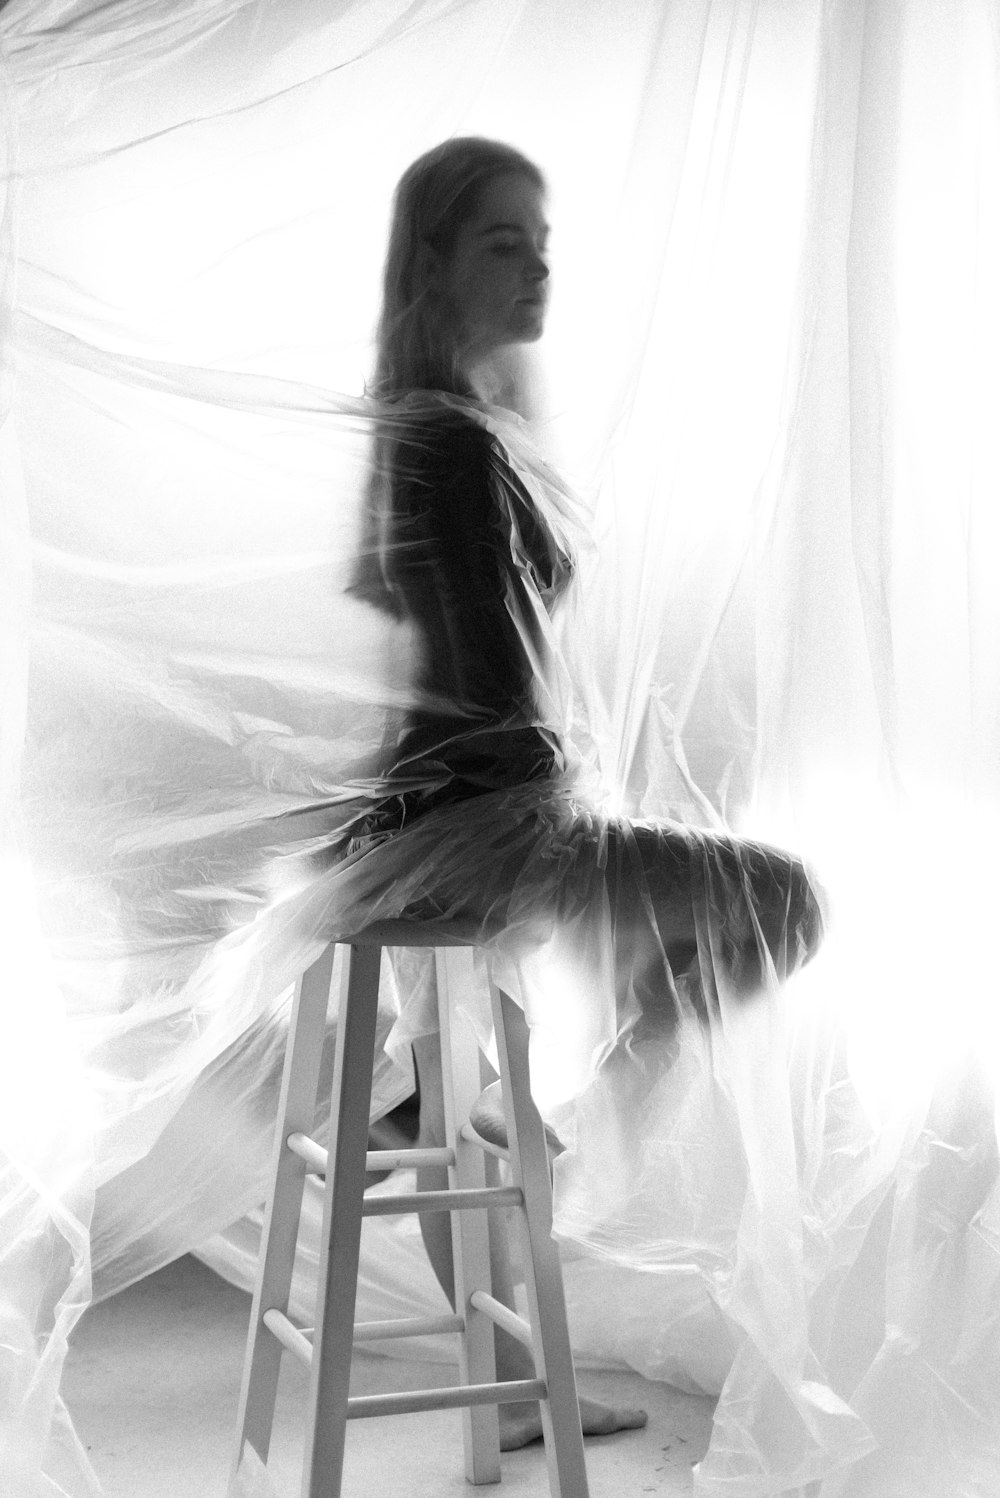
{"x": 770, "y": 376}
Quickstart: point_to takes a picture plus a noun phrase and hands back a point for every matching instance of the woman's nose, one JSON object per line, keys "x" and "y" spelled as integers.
{"x": 538, "y": 269}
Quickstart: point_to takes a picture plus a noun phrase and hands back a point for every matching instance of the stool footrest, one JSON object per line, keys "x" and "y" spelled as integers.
{"x": 298, "y": 1339}
{"x": 318, "y": 1159}
{"x": 308, "y": 1150}
{"x": 462, "y": 1396}
{"x": 407, "y": 1326}
{"x": 408, "y": 1159}
{"x": 288, "y": 1335}
{"x": 502, "y": 1316}
{"x": 442, "y": 1201}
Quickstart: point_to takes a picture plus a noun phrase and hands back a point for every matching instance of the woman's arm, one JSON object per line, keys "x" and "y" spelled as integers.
{"x": 456, "y": 569}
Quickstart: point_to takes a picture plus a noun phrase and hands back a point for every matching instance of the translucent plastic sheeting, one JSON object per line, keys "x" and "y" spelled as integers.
{"x": 758, "y": 604}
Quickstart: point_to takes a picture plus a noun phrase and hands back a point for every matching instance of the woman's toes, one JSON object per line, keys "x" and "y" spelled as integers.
{"x": 520, "y": 1424}
{"x": 604, "y": 1419}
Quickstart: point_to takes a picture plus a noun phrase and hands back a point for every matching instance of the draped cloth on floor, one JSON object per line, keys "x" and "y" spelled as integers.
{"x": 754, "y": 521}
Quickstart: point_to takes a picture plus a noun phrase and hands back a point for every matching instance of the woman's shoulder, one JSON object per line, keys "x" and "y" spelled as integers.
{"x": 453, "y": 442}
{"x": 433, "y": 434}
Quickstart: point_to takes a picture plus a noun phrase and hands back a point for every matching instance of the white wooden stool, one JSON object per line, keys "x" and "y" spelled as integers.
{"x": 327, "y": 1347}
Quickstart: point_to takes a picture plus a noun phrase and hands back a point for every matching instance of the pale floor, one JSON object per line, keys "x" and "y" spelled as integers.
{"x": 153, "y": 1378}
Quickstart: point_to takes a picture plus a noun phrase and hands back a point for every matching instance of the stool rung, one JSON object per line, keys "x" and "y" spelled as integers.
{"x": 442, "y": 1201}
{"x": 297, "y": 1342}
{"x": 446, "y": 1399}
{"x": 298, "y": 1339}
{"x": 502, "y": 1315}
{"x": 408, "y": 1159}
{"x": 308, "y": 1150}
{"x": 407, "y": 1326}
{"x": 468, "y": 1133}
{"x": 316, "y": 1156}
{"x": 288, "y": 1335}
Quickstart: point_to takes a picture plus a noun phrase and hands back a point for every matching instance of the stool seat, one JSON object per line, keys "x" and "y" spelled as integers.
{"x": 401, "y": 932}
{"x": 474, "y": 1190}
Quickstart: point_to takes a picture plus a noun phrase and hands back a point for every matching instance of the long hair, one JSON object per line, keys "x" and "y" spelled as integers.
{"x": 416, "y": 343}
{"x": 416, "y": 347}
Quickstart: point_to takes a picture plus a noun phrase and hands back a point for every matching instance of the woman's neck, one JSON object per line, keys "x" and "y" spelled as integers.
{"x": 497, "y": 378}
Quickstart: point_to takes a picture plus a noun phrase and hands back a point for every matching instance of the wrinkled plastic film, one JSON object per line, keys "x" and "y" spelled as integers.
{"x": 748, "y": 617}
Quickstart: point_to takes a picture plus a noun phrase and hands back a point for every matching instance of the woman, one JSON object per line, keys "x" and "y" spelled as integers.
{"x": 470, "y": 539}
{"x": 483, "y": 815}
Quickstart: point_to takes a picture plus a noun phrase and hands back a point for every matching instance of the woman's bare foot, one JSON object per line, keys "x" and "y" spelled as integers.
{"x": 520, "y": 1424}
{"x": 488, "y": 1120}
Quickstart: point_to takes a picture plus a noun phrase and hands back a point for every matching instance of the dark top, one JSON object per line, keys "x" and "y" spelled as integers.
{"x": 466, "y": 556}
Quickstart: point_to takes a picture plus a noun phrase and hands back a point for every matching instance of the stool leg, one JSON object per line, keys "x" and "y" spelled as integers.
{"x": 543, "y": 1273}
{"x": 341, "y": 1240}
{"x": 296, "y": 1114}
{"x": 470, "y": 1230}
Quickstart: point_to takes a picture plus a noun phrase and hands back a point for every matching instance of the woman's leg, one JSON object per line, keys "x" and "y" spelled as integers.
{"x": 677, "y": 898}
{"x": 519, "y": 1423}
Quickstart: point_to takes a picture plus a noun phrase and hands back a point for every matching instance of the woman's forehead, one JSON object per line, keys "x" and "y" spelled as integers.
{"x": 510, "y": 202}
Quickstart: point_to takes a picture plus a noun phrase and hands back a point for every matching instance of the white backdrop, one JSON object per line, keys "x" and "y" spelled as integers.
{"x": 771, "y": 370}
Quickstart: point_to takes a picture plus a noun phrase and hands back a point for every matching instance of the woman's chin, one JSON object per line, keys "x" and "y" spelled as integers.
{"x": 533, "y": 328}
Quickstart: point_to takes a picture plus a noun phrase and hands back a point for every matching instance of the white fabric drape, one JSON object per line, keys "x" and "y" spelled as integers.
{"x": 771, "y": 371}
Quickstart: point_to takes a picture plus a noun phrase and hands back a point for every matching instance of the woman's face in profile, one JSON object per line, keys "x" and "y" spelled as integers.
{"x": 495, "y": 279}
